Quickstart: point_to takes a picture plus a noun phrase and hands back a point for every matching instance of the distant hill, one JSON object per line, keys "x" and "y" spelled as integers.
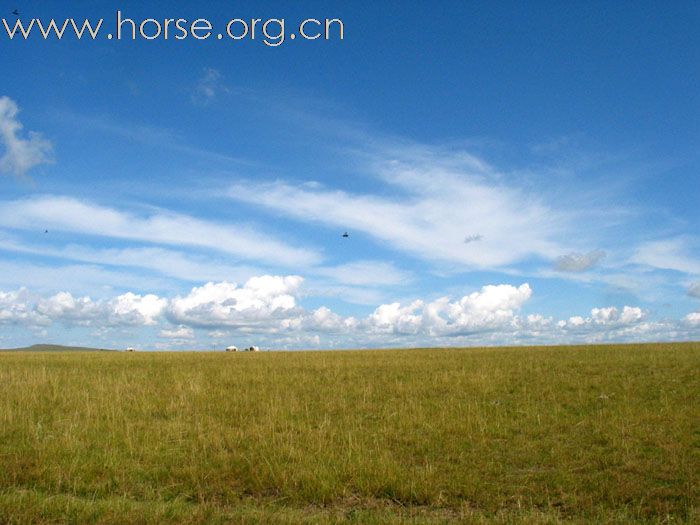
{"x": 55, "y": 348}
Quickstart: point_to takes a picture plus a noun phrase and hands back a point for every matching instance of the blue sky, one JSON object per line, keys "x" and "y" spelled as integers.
{"x": 508, "y": 174}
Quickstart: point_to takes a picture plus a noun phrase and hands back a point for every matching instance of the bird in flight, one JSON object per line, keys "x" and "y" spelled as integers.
{"x": 46, "y": 231}
{"x": 346, "y": 235}
{"x": 15, "y": 12}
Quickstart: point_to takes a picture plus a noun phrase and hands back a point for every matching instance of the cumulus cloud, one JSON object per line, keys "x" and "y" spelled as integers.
{"x": 269, "y": 304}
{"x": 492, "y": 307}
{"x": 693, "y": 318}
{"x": 20, "y": 153}
{"x": 631, "y": 315}
{"x": 320, "y": 320}
{"x": 605, "y": 317}
{"x": 266, "y": 308}
{"x": 131, "y": 308}
{"x": 578, "y": 262}
{"x": 16, "y": 307}
{"x": 397, "y": 318}
{"x": 227, "y": 304}
{"x": 71, "y": 310}
{"x": 611, "y": 315}
{"x": 127, "y": 309}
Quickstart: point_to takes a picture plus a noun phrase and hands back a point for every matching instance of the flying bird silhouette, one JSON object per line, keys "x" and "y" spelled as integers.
{"x": 15, "y": 12}
{"x": 346, "y": 235}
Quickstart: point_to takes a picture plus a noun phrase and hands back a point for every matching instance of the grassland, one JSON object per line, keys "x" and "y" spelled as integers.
{"x": 526, "y": 435}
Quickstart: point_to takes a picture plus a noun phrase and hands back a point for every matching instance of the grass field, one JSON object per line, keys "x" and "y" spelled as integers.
{"x": 509, "y": 435}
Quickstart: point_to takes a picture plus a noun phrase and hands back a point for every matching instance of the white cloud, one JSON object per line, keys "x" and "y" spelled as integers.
{"x": 397, "y": 318}
{"x": 145, "y": 134}
{"x": 605, "y": 317}
{"x": 358, "y": 282}
{"x": 441, "y": 199}
{"x": 631, "y": 315}
{"x": 669, "y": 254}
{"x": 127, "y": 309}
{"x": 181, "y": 332}
{"x": 84, "y": 279}
{"x": 69, "y": 215}
{"x": 265, "y": 311}
{"x": 173, "y": 263}
{"x": 367, "y": 272}
{"x": 578, "y": 262}
{"x": 16, "y": 307}
{"x": 131, "y": 308}
{"x": 364, "y": 295}
{"x": 258, "y": 301}
{"x": 493, "y": 307}
{"x": 20, "y": 154}
{"x": 575, "y": 320}
{"x": 693, "y": 318}
{"x": 208, "y": 87}
{"x": 71, "y": 310}
{"x": 320, "y": 320}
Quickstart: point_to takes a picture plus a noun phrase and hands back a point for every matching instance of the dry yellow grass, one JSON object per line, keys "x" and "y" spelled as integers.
{"x": 543, "y": 435}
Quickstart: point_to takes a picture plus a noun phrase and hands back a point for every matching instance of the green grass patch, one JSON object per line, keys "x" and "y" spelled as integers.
{"x": 502, "y": 435}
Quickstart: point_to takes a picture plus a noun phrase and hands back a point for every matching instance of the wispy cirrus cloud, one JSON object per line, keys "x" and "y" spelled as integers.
{"x": 182, "y": 265}
{"x": 362, "y": 282}
{"x": 437, "y": 201}
{"x": 669, "y": 254}
{"x": 161, "y": 227}
{"x": 148, "y": 135}
{"x": 19, "y": 154}
{"x": 208, "y": 87}
{"x": 87, "y": 279}
{"x": 366, "y": 273}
